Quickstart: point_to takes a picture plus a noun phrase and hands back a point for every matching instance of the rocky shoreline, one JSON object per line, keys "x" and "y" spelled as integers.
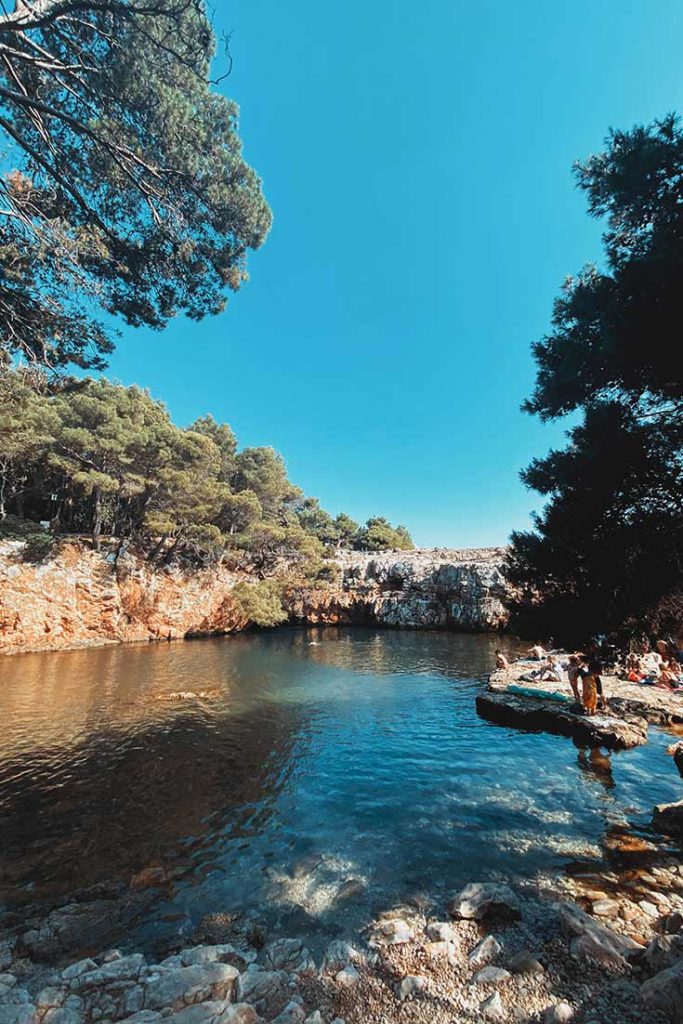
{"x": 83, "y": 599}
{"x": 596, "y": 948}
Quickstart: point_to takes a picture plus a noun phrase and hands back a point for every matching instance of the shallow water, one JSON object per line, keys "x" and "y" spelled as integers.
{"x": 315, "y": 757}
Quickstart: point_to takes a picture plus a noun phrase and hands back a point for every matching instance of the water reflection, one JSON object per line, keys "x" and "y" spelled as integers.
{"x": 321, "y": 760}
{"x": 597, "y": 764}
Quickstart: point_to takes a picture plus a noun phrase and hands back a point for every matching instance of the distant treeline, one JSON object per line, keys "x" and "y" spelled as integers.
{"x": 89, "y": 456}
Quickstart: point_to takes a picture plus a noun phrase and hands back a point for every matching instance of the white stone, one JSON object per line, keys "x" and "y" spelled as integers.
{"x": 560, "y": 1013}
{"x": 288, "y": 955}
{"x": 339, "y": 954}
{"x": 490, "y": 976}
{"x": 484, "y": 899}
{"x": 485, "y": 951}
{"x": 79, "y": 968}
{"x": 410, "y": 986}
{"x": 293, "y": 1013}
{"x": 492, "y": 1008}
{"x": 348, "y": 977}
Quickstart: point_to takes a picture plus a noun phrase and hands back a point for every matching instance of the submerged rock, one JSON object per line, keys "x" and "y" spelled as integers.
{"x": 75, "y": 926}
{"x": 349, "y": 890}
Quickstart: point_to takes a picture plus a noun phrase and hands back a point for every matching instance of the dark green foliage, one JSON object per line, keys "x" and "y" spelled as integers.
{"x": 94, "y": 457}
{"x": 260, "y": 603}
{"x": 130, "y": 192}
{"x": 379, "y": 535}
{"x": 38, "y": 547}
{"x": 607, "y": 551}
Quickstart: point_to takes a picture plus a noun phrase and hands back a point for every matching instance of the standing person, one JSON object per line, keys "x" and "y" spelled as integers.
{"x": 595, "y": 670}
{"x": 573, "y": 674}
{"x": 589, "y": 691}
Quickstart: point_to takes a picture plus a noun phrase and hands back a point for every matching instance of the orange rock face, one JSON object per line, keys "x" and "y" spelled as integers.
{"x": 82, "y": 599}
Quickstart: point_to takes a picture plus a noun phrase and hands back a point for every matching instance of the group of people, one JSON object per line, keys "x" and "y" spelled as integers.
{"x": 659, "y": 666}
{"x": 583, "y": 671}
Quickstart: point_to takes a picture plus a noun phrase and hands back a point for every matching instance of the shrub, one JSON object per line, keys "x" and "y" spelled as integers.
{"x": 260, "y": 602}
{"x": 38, "y": 547}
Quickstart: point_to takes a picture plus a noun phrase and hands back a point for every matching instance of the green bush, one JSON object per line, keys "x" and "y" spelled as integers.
{"x": 38, "y": 547}
{"x": 13, "y": 528}
{"x": 260, "y": 602}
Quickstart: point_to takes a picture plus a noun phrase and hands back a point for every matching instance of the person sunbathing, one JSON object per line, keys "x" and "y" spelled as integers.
{"x": 634, "y": 670}
{"x": 551, "y": 671}
{"x": 501, "y": 660}
{"x": 669, "y": 676}
{"x": 537, "y": 652}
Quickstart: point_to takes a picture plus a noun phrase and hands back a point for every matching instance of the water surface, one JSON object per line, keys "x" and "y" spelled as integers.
{"x": 315, "y": 757}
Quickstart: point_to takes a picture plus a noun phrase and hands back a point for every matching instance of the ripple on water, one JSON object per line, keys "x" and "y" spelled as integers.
{"x": 360, "y": 757}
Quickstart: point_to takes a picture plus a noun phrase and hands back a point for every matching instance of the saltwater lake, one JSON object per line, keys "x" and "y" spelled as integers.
{"x": 316, "y": 761}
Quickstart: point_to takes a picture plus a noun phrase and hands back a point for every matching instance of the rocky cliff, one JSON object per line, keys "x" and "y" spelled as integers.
{"x": 80, "y": 598}
{"x": 425, "y": 589}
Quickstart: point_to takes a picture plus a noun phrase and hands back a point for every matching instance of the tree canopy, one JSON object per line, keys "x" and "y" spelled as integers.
{"x": 607, "y": 549}
{"x": 92, "y": 456}
{"x": 128, "y": 192}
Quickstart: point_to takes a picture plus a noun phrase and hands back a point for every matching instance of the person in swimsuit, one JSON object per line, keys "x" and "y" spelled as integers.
{"x": 573, "y": 673}
{"x": 501, "y": 660}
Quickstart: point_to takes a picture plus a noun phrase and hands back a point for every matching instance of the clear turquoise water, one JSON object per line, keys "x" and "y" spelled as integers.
{"x": 357, "y": 756}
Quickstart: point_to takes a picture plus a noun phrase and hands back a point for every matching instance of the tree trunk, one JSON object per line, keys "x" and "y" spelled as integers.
{"x": 97, "y": 517}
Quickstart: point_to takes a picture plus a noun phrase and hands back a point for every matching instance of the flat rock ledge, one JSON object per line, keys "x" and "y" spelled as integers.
{"x": 535, "y": 713}
{"x": 624, "y": 700}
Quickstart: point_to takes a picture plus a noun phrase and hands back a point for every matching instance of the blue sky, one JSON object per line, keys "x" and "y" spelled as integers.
{"x": 417, "y": 158}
